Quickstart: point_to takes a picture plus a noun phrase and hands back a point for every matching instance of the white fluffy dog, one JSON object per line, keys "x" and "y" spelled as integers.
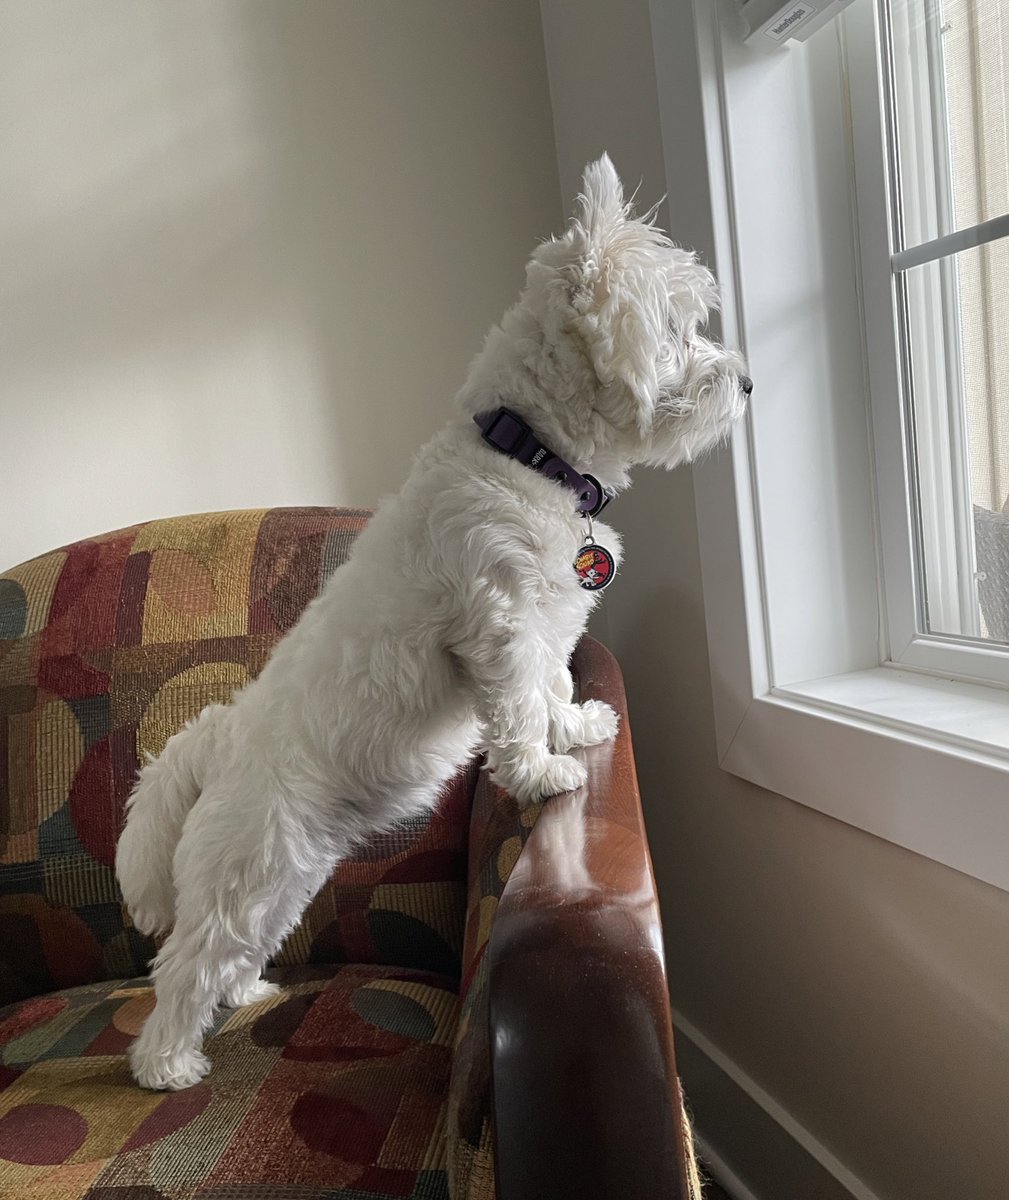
{"x": 449, "y": 629}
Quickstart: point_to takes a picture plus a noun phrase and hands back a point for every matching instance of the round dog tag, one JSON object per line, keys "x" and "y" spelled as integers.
{"x": 594, "y": 566}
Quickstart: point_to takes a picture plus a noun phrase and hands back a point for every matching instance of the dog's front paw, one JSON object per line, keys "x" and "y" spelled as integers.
{"x": 586, "y": 724}
{"x": 537, "y": 776}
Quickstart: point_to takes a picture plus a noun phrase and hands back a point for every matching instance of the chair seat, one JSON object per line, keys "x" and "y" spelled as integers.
{"x": 334, "y": 1088}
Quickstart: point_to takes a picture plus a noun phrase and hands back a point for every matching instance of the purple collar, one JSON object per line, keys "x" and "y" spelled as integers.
{"x": 509, "y": 434}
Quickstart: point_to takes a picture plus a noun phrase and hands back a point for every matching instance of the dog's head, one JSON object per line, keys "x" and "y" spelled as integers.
{"x": 609, "y": 327}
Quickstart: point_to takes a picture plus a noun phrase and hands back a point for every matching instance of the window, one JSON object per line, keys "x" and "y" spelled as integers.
{"x": 944, "y": 70}
{"x": 850, "y": 535}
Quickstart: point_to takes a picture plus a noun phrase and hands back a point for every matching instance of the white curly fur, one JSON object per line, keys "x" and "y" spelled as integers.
{"x": 449, "y": 629}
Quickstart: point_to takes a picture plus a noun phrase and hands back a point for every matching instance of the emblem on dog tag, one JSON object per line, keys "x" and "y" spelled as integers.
{"x": 594, "y": 566}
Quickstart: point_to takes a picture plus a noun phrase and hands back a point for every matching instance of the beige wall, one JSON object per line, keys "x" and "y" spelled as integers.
{"x": 248, "y": 247}
{"x": 861, "y": 986}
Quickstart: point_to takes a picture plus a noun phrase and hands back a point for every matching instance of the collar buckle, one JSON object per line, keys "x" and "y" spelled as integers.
{"x": 603, "y": 496}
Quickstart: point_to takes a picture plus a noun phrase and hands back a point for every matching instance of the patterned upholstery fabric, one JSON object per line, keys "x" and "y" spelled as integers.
{"x": 333, "y": 1089}
{"x": 106, "y": 648}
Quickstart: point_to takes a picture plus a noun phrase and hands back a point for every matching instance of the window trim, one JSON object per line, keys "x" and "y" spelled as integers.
{"x": 860, "y": 741}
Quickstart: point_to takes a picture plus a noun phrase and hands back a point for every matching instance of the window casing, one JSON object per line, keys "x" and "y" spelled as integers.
{"x": 807, "y": 541}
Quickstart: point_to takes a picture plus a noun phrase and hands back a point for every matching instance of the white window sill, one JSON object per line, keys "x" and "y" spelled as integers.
{"x": 972, "y": 719}
{"x": 920, "y": 761}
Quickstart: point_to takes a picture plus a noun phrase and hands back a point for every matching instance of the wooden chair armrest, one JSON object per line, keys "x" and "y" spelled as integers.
{"x": 586, "y": 1096}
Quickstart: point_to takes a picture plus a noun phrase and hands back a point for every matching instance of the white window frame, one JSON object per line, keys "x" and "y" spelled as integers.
{"x": 808, "y": 701}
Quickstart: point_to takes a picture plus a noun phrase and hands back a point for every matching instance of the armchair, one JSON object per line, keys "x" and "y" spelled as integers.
{"x": 474, "y": 1006}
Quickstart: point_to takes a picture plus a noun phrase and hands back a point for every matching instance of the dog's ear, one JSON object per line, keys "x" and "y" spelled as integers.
{"x": 619, "y": 290}
{"x": 601, "y": 203}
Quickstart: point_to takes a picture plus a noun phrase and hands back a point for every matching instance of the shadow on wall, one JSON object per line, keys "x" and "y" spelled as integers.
{"x": 261, "y": 240}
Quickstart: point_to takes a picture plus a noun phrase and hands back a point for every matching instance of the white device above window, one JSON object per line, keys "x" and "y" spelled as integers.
{"x": 774, "y": 22}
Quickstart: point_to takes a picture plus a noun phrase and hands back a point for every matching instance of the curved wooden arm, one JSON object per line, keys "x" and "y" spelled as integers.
{"x": 586, "y": 1096}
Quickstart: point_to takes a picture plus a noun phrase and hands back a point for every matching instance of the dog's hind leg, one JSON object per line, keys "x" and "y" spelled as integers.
{"x": 189, "y": 975}
{"x": 239, "y": 892}
{"x": 200, "y": 963}
{"x": 249, "y": 988}
{"x": 156, "y": 812}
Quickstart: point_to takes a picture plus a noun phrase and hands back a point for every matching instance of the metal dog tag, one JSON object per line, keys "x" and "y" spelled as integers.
{"x": 594, "y": 566}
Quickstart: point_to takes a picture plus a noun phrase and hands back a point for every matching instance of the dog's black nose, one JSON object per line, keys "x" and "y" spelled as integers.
{"x": 746, "y": 384}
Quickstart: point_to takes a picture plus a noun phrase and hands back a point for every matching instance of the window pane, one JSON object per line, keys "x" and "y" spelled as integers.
{"x": 958, "y": 315}
{"x": 951, "y": 81}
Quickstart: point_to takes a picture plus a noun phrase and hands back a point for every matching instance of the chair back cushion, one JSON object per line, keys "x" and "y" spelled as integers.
{"x": 109, "y": 646}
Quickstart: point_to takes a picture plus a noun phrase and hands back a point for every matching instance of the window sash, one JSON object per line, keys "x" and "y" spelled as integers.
{"x": 925, "y": 524}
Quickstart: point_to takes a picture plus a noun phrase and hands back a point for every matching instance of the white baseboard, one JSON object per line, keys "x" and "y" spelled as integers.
{"x": 802, "y": 1156}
